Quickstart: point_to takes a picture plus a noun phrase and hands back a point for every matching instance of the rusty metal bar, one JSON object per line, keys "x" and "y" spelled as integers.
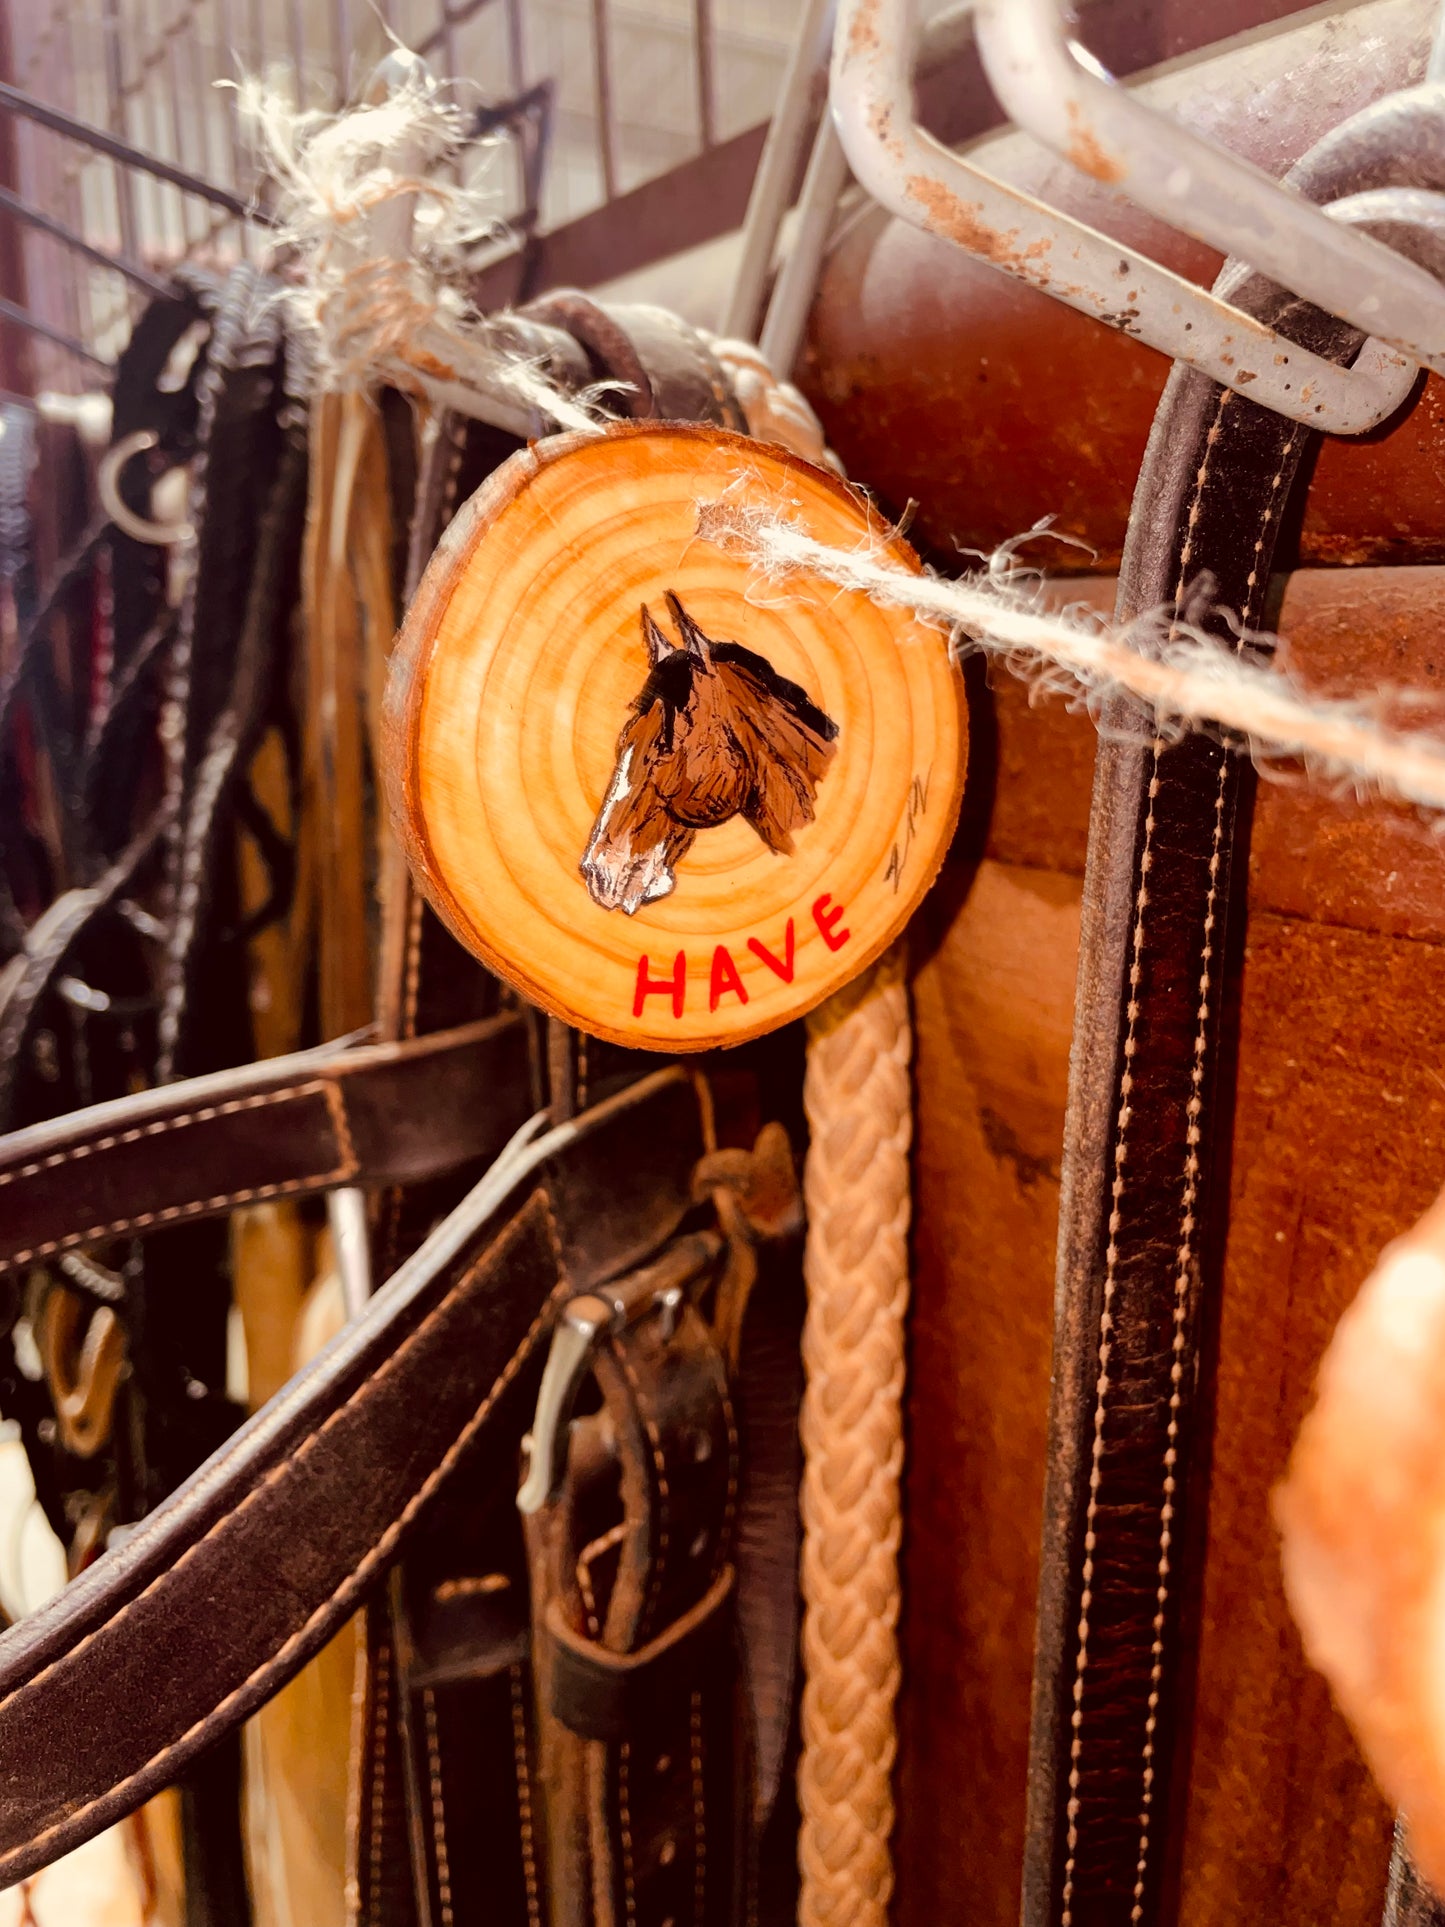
{"x": 704, "y": 52}
{"x": 516, "y": 46}
{"x": 796, "y": 114}
{"x": 944, "y": 193}
{"x": 602, "y": 70}
{"x": 67, "y": 236}
{"x": 115, "y": 113}
{"x": 797, "y": 282}
{"x": 341, "y": 47}
{"x": 1059, "y": 96}
{"x": 14, "y": 100}
{"x": 22, "y": 317}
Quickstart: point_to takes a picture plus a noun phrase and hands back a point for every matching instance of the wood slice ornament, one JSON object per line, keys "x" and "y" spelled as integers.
{"x": 673, "y": 803}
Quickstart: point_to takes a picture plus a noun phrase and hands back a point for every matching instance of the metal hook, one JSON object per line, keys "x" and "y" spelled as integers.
{"x": 920, "y": 180}
{"x": 107, "y": 482}
{"x": 1056, "y": 91}
{"x": 83, "y": 1351}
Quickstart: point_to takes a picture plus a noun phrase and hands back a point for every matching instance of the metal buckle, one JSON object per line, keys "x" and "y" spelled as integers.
{"x": 585, "y": 1322}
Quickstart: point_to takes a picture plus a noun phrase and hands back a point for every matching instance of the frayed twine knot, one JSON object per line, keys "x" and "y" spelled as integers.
{"x": 372, "y": 238}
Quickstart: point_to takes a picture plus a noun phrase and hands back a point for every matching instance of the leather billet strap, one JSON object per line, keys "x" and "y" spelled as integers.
{"x": 1145, "y": 1170}
{"x": 222, "y": 1593}
{"x": 632, "y": 1610}
{"x": 284, "y": 1127}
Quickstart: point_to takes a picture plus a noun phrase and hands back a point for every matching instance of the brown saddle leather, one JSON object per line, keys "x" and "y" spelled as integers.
{"x": 164, "y": 1643}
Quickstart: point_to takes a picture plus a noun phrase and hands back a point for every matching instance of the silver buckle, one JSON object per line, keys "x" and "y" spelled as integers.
{"x": 585, "y": 1321}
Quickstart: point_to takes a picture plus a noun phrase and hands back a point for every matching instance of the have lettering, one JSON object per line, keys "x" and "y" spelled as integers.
{"x": 724, "y": 978}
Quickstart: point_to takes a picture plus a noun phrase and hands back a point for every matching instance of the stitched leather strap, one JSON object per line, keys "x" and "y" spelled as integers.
{"x": 172, "y": 1638}
{"x": 631, "y": 1609}
{"x": 603, "y": 1695}
{"x": 1145, "y": 1187}
{"x": 285, "y": 1127}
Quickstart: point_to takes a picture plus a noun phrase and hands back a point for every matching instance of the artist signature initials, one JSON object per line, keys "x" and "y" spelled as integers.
{"x": 917, "y": 807}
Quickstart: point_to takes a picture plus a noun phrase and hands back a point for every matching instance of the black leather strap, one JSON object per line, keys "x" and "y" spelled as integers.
{"x": 1145, "y": 1184}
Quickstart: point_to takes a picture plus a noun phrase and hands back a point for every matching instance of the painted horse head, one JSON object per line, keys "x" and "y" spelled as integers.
{"x": 715, "y": 733}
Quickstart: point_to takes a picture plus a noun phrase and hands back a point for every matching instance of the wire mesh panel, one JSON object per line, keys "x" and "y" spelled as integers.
{"x": 582, "y": 100}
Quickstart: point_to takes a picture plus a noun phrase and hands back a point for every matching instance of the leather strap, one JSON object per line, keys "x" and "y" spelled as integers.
{"x": 284, "y": 1127}
{"x": 667, "y": 370}
{"x": 443, "y": 1723}
{"x": 1145, "y": 1173}
{"x": 161, "y": 1648}
{"x": 632, "y": 1599}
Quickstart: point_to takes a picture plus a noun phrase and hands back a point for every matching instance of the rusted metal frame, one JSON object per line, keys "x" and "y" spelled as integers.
{"x": 800, "y": 103}
{"x": 47, "y": 224}
{"x": 529, "y": 120}
{"x": 22, "y": 317}
{"x": 602, "y": 73}
{"x": 704, "y": 55}
{"x": 516, "y": 46}
{"x": 16, "y": 373}
{"x": 705, "y": 197}
{"x": 782, "y": 332}
{"x": 926, "y": 184}
{"x": 340, "y": 46}
{"x": 1199, "y": 187}
{"x": 115, "y": 113}
{"x": 13, "y": 100}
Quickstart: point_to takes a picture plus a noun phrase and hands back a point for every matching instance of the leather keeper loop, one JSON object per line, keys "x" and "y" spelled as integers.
{"x": 598, "y": 1694}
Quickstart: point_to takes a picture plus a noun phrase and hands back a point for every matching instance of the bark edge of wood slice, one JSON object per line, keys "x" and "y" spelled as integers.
{"x": 671, "y": 802}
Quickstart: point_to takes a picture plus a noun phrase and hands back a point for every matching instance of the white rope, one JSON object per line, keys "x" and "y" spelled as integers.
{"x": 1185, "y": 677}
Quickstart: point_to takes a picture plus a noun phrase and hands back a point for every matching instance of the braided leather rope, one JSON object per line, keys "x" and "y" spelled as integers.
{"x": 858, "y": 1098}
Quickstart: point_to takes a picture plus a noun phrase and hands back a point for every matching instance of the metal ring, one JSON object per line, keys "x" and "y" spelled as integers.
{"x": 107, "y": 482}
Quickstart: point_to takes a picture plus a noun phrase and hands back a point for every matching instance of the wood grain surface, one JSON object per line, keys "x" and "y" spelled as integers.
{"x": 673, "y": 802}
{"x": 1339, "y": 1143}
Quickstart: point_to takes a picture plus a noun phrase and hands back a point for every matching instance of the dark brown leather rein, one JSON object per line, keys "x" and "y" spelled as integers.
{"x": 1145, "y": 1176}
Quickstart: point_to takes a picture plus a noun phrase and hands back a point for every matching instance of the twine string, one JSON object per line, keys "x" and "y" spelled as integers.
{"x": 1182, "y": 676}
